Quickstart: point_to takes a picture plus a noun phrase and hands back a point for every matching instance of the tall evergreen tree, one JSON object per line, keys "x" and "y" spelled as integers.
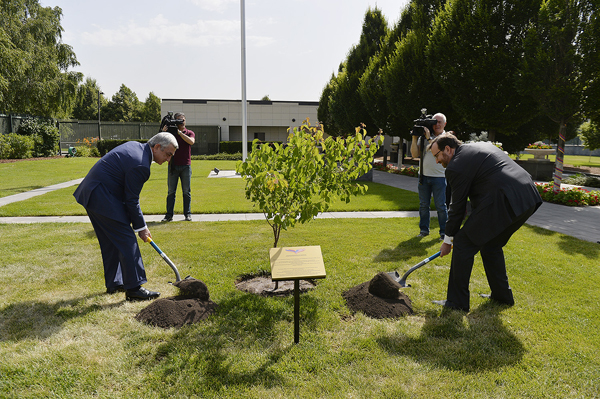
{"x": 345, "y": 107}
{"x": 409, "y": 81}
{"x": 475, "y": 48}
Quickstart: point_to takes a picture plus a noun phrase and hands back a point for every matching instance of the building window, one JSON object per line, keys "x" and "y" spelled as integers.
{"x": 260, "y": 136}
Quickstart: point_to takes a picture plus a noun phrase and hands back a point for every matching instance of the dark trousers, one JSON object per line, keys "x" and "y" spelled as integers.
{"x": 120, "y": 252}
{"x": 492, "y": 255}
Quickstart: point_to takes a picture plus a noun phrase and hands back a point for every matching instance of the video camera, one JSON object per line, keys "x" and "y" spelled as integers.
{"x": 169, "y": 121}
{"x": 424, "y": 121}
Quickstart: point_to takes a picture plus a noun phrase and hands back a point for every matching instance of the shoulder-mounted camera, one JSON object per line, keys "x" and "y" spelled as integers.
{"x": 169, "y": 121}
{"x": 424, "y": 121}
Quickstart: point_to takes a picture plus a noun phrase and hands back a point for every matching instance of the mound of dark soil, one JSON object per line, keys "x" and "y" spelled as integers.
{"x": 192, "y": 306}
{"x": 379, "y": 298}
{"x": 263, "y": 285}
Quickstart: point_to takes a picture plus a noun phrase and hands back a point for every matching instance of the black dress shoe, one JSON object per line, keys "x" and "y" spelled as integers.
{"x": 449, "y": 305}
{"x": 141, "y": 294}
{"x": 167, "y": 219}
{"x": 113, "y": 290}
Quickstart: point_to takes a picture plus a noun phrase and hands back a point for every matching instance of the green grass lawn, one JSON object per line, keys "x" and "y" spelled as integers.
{"x": 573, "y": 160}
{"x": 21, "y": 176}
{"x": 61, "y": 336}
{"x": 209, "y": 195}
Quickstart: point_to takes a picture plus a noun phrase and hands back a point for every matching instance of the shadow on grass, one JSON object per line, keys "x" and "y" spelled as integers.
{"x": 570, "y": 245}
{"x": 416, "y": 246}
{"x": 471, "y": 343}
{"x": 244, "y": 329}
{"x": 32, "y": 319}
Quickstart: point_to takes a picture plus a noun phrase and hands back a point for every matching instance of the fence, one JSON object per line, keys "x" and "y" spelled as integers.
{"x": 73, "y": 133}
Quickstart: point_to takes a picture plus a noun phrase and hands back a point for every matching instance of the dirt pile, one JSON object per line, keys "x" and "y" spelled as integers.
{"x": 379, "y": 298}
{"x": 192, "y": 306}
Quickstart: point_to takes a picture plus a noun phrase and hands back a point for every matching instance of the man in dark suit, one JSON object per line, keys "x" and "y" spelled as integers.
{"x": 110, "y": 193}
{"x": 502, "y": 197}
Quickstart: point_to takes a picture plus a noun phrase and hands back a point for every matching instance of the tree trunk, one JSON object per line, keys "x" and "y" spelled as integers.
{"x": 560, "y": 154}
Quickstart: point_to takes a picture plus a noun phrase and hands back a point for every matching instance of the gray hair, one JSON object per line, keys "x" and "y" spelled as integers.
{"x": 163, "y": 139}
{"x": 440, "y": 115}
{"x": 178, "y": 114}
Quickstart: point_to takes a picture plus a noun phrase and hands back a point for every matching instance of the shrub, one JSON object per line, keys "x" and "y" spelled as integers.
{"x": 582, "y": 180}
{"x": 568, "y": 196}
{"x": 105, "y": 146}
{"x": 16, "y": 146}
{"x": 219, "y": 157}
{"x": 45, "y": 135}
{"x": 412, "y": 171}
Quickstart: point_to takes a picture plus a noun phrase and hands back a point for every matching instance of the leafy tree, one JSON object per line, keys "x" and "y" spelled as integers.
{"x": 475, "y": 48}
{"x": 551, "y": 69}
{"x": 123, "y": 107}
{"x": 86, "y": 106}
{"x": 296, "y": 181}
{"x": 34, "y": 62}
{"x": 590, "y": 134}
{"x": 151, "y": 109}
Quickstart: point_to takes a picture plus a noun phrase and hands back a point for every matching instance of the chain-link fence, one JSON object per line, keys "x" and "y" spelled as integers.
{"x": 76, "y": 132}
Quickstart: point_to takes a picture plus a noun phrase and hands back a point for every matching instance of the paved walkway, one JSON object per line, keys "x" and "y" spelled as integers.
{"x": 579, "y": 222}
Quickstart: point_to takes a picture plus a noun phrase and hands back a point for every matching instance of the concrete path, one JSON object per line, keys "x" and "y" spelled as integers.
{"x": 579, "y": 222}
{"x": 38, "y": 191}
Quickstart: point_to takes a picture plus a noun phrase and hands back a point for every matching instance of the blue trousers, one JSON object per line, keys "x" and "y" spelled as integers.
{"x": 437, "y": 187}
{"x": 120, "y": 252}
{"x": 176, "y": 173}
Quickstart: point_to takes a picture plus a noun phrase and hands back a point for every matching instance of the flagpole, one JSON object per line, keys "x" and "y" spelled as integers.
{"x": 244, "y": 102}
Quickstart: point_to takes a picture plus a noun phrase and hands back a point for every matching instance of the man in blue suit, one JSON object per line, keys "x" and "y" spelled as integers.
{"x": 502, "y": 197}
{"x": 110, "y": 193}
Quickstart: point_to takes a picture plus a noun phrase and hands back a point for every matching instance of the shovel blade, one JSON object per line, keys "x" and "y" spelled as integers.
{"x": 397, "y": 278}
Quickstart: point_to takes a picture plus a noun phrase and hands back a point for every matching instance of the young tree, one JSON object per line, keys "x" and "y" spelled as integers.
{"x": 34, "y": 62}
{"x": 296, "y": 181}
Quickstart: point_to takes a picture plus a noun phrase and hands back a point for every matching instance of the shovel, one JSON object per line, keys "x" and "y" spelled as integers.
{"x": 402, "y": 280}
{"x": 166, "y": 258}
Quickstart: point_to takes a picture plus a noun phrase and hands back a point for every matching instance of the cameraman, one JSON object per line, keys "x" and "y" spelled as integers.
{"x": 180, "y": 167}
{"x": 432, "y": 178}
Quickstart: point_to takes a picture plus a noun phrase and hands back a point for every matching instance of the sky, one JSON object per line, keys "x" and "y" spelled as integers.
{"x": 191, "y": 49}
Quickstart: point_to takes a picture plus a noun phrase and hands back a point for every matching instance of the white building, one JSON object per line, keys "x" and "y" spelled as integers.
{"x": 266, "y": 120}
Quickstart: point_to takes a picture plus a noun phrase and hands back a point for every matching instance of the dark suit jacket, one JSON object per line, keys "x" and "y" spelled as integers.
{"x": 498, "y": 188}
{"x": 113, "y": 185}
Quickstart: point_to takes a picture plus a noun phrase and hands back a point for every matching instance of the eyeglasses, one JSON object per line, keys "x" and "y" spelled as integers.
{"x": 436, "y": 154}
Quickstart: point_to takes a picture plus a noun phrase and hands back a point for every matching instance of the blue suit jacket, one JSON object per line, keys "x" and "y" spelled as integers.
{"x": 113, "y": 185}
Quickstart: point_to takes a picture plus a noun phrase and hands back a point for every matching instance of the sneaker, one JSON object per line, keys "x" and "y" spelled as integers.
{"x": 423, "y": 234}
{"x": 188, "y": 218}
{"x": 167, "y": 219}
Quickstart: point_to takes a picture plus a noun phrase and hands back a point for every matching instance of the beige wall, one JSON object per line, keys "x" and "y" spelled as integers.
{"x": 270, "y": 117}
